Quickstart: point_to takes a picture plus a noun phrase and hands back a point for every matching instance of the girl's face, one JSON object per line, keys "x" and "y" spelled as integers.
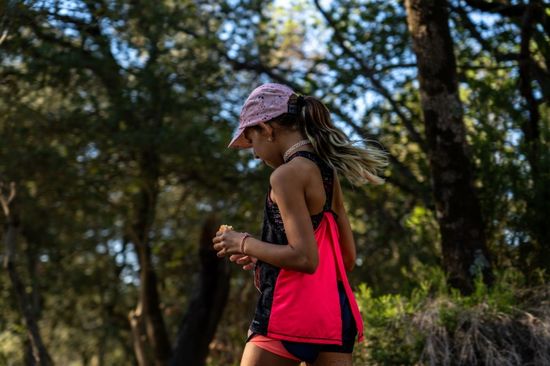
{"x": 262, "y": 148}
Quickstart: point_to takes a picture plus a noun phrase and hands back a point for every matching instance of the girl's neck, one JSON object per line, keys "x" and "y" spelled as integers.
{"x": 300, "y": 145}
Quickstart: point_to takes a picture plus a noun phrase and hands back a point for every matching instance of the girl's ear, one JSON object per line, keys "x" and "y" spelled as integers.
{"x": 267, "y": 130}
{"x": 247, "y": 130}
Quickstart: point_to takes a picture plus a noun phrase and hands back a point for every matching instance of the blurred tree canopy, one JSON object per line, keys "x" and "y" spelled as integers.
{"x": 114, "y": 121}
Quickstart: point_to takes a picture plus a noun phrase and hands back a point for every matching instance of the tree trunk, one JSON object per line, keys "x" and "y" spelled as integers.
{"x": 199, "y": 324}
{"x": 148, "y": 315}
{"x": 138, "y": 337}
{"x": 540, "y": 194}
{"x": 40, "y": 354}
{"x": 458, "y": 210}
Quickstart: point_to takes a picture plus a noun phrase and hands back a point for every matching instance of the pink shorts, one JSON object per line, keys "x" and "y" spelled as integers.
{"x": 272, "y": 345}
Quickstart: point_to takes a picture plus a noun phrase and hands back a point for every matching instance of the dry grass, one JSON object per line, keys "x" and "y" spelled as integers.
{"x": 481, "y": 335}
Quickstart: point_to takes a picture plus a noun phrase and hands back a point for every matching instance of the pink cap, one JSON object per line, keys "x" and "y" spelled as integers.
{"x": 262, "y": 105}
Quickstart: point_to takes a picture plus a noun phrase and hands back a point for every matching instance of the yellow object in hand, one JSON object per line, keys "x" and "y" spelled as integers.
{"x": 225, "y": 228}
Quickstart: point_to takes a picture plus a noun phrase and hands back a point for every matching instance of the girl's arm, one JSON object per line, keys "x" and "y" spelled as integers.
{"x": 347, "y": 243}
{"x": 288, "y": 185}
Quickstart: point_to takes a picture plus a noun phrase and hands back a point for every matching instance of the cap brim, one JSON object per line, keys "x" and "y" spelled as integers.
{"x": 239, "y": 141}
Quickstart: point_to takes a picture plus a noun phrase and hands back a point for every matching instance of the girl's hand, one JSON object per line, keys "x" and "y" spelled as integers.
{"x": 246, "y": 261}
{"x": 227, "y": 242}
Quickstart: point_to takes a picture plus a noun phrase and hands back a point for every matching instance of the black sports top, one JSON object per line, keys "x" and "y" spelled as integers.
{"x": 272, "y": 215}
{"x": 273, "y": 232}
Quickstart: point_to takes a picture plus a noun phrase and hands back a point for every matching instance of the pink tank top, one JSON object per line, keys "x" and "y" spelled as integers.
{"x": 306, "y": 307}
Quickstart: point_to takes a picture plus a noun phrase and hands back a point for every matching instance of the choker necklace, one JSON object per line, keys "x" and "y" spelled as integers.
{"x": 294, "y": 148}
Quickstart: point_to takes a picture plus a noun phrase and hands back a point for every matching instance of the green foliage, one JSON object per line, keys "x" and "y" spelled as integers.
{"x": 434, "y": 324}
{"x": 389, "y": 340}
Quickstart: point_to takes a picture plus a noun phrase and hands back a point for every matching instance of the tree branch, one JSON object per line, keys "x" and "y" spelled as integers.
{"x": 370, "y": 73}
{"x": 108, "y": 75}
{"x": 499, "y": 8}
{"x": 40, "y": 354}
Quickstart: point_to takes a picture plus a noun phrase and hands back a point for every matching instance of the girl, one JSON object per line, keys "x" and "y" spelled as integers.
{"x": 306, "y": 310}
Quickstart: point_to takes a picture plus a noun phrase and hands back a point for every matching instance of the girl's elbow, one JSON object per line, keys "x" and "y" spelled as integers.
{"x": 311, "y": 268}
{"x": 308, "y": 265}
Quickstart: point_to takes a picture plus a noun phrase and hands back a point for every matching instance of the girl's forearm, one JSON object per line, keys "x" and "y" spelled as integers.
{"x": 283, "y": 256}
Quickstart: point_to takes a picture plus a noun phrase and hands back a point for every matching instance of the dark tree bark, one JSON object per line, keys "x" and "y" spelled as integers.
{"x": 538, "y": 206}
{"x": 39, "y": 354}
{"x": 199, "y": 324}
{"x": 458, "y": 209}
{"x": 147, "y": 316}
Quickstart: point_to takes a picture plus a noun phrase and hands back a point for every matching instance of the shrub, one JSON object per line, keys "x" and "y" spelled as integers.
{"x": 506, "y": 324}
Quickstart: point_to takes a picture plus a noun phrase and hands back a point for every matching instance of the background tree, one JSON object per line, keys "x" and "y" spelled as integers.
{"x": 458, "y": 211}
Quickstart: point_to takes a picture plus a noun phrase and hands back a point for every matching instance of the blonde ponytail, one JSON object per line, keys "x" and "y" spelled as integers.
{"x": 359, "y": 164}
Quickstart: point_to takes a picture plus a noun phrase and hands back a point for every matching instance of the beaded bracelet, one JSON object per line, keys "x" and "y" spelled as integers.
{"x": 246, "y": 235}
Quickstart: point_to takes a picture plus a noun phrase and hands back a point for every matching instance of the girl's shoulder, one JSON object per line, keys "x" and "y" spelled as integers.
{"x": 295, "y": 169}
{"x": 294, "y": 172}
